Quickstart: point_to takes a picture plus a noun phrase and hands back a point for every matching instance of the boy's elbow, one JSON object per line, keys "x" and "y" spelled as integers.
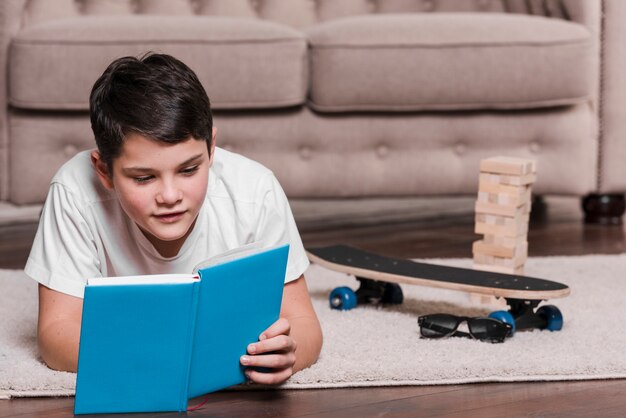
{"x": 318, "y": 342}
{"x": 58, "y": 329}
{"x": 58, "y": 348}
{"x": 314, "y": 342}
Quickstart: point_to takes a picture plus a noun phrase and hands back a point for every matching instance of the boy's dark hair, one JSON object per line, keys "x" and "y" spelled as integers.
{"x": 156, "y": 96}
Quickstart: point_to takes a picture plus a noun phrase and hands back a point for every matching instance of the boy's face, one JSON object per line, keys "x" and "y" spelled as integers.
{"x": 160, "y": 186}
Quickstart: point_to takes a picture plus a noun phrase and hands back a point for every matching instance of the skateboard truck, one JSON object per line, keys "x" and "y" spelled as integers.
{"x": 526, "y": 317}
{"x": 370, "y": 292}
{"x": 373, "y": 291}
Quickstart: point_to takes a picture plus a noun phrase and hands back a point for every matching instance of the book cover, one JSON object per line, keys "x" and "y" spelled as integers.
{"x": 134, "y": 344}
{"x": 149, "y": 343}
{"x": 238, "y": 301}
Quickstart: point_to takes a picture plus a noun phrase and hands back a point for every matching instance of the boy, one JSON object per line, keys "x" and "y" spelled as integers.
{"x": 157, "y": 196}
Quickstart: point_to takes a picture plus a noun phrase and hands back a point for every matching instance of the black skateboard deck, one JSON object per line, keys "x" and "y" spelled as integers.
{"x": 375, "y": 272}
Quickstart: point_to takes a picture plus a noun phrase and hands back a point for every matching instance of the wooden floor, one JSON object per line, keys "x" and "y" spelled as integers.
{"x": 556, "y": 229}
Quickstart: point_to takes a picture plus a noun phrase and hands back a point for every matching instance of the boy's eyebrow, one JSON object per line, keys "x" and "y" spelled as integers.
{"x": 147, "y": 169}
{"x": 191, "y": 160}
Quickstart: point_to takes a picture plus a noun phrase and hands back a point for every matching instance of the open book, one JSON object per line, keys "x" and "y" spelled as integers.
{"x": 150, "y": 343}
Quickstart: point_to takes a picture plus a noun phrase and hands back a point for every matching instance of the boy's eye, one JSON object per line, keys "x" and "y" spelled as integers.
{"x": 190, "y": 170}
{"x": 142, "y": 179}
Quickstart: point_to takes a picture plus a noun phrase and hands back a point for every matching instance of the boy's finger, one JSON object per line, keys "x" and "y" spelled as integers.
{"x": 282, "y": 326}
{"x": 269, "y": 378}
{"x": 270, "y": 361}
{"x": 279, "y": 343}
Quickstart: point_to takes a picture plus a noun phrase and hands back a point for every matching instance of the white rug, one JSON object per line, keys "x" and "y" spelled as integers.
{"x": 372, "y": 346}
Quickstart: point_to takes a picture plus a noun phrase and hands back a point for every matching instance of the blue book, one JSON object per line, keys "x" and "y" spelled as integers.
{"x": 150, "y": 343}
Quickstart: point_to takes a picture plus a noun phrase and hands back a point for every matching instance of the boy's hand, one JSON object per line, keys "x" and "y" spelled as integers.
{"x": 275, "y": 352}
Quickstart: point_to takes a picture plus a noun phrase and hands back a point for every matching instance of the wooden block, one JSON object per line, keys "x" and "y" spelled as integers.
{"x": 502, "y": 220}
{"x": 502, "y": 210}
{"x": 506, "y": 242}
{"x": 501, "y": 226}
{"x": 504, "y": 198}
{"x": 516, "y": 192}
{"x": 514, "y": 262}
{"x": 508, "y": 165}
{"x": 508, "y": 179}
{"x": 481, "y": 247}
{"x": 508, "y": 231}
{"x": 498, "y": 269}
{"x": 492, "y": 187}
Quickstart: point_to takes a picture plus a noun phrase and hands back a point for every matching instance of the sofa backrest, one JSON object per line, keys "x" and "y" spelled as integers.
{"x": 295, "y": 13}
{"x": 16, "y": 15}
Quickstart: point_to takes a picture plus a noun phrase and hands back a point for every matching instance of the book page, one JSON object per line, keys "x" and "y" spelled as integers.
{"x": 230, "y": 255}
{"x": 146, "y": 279}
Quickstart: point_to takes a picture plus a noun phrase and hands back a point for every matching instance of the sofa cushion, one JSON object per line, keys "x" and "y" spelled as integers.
{"x": 242, "y": 63}
{"x": 316, "y": 155}
{"x": 449, "y": 61}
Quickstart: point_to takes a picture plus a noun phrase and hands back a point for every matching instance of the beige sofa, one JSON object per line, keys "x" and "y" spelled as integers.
{"x": 341, "y": 98}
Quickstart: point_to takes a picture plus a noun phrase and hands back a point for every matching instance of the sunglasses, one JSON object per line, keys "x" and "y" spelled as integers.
{"x": 445, "y": 325}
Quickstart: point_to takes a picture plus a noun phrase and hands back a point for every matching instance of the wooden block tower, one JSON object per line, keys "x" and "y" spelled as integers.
{"x": 502, "y": 214}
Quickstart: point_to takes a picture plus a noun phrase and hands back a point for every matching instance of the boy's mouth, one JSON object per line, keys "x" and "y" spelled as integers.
{"x": 170, "y": 216}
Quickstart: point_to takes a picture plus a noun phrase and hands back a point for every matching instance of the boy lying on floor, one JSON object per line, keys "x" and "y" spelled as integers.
{"x": 158, "y": 197}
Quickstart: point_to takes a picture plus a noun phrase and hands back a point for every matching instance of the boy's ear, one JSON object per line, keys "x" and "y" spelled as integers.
{"x": 101, "y": 170}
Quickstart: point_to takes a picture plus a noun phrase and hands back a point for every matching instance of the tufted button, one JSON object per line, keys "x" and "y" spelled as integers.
{"x": 371, "y": 6}
{"x": 382, "y": 151}
{"x": 256, "y": 5}
{"x": 460, "y": 148}
{"x": 195, "y": 6}
{"x": 70, "y": 150}
{"x": 428, "y": 5}
{"x": 483, "y": 4}
{"x": 134, "y": 6}
{"x": 535, "y": 147}
{"x": 305, "y": 153}
{"x": 79, "y": 5}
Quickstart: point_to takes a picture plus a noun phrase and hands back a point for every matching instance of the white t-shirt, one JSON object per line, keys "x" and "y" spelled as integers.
{"x": 83, "y": 231}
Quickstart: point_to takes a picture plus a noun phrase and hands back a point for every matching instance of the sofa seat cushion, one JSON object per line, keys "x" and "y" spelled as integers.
{"x": 449, "y": 62}
{"x": 242, "y": 63}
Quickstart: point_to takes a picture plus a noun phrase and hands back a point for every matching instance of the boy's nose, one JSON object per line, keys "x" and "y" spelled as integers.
{"x": 169, "y": 195}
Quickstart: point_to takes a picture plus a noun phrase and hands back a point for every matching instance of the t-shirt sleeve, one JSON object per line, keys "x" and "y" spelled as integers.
{"x": 276, "y": 226}
{"x": 64, "y": 254}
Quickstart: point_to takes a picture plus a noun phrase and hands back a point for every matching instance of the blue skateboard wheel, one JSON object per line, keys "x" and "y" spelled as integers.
{"x": 553, "y": 317}
{"x": 505, "y": 317}
{"x": 342, "y": 298}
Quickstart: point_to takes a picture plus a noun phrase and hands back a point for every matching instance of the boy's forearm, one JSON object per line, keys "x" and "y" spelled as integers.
{"x": 307, "y": 333}
{"x": 58, "y": 345}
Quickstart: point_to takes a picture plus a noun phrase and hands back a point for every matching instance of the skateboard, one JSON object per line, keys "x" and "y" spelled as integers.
{"x": 380, "y": 278}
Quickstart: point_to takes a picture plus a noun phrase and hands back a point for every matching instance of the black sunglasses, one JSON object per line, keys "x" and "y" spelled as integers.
{"x": 445, "y": 325}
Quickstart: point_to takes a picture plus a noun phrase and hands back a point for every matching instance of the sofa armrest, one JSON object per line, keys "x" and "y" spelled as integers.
{"x": 11, "y": 13}
{"x": 605, "y": 19}
{"x": 590, "y": 14}
{"x": 612, "y": 145}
